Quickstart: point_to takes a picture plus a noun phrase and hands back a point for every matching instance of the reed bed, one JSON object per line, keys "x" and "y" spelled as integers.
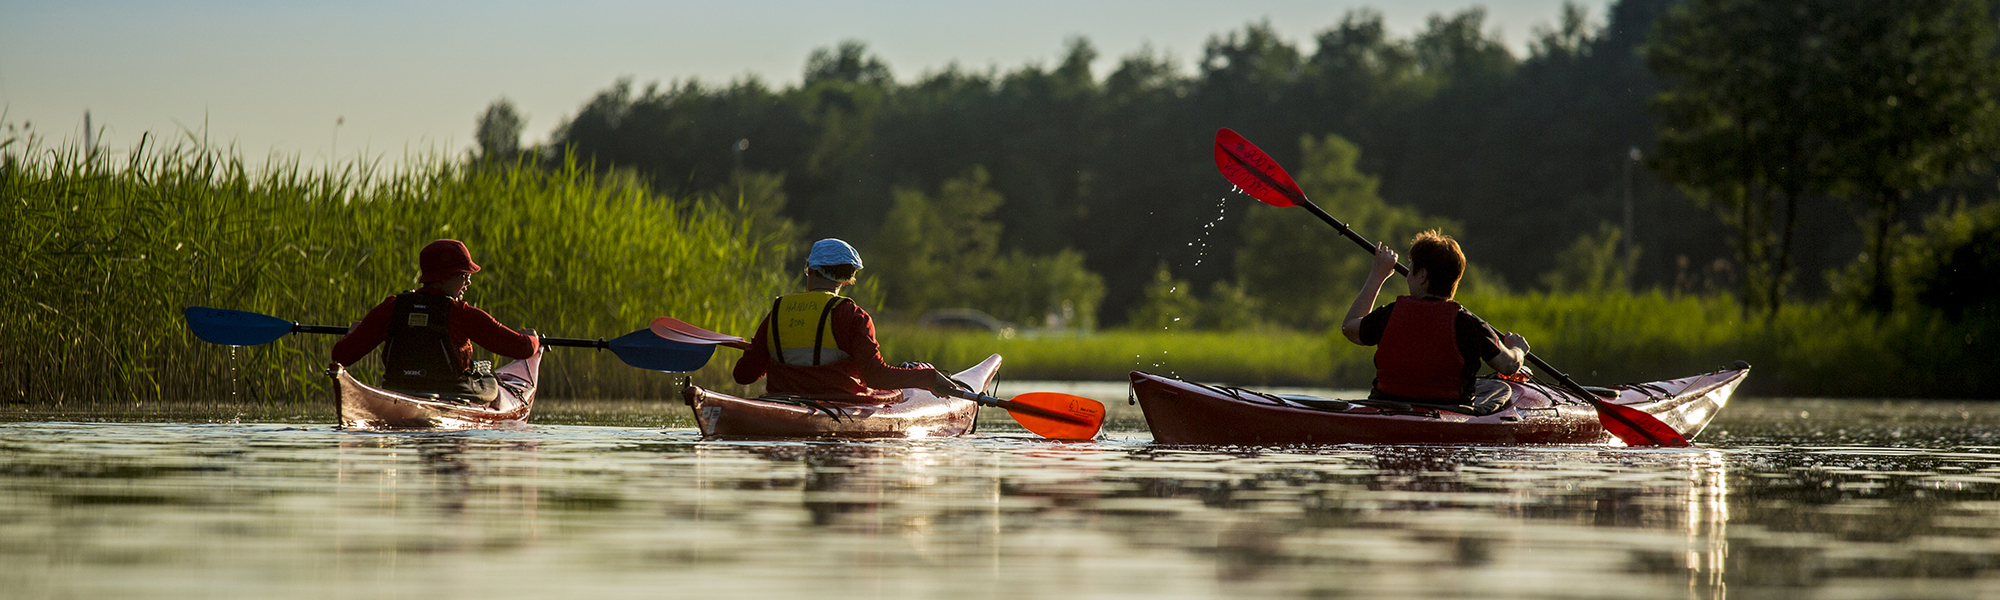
{"x": 100, "y": 254}
{"x": 1247, "y": 357}
{"x": 1810, "y": 349}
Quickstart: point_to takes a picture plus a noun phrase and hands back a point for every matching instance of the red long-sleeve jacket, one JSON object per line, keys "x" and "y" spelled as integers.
{"x": 468, "y": 325}
{"x": 862, "y": 373}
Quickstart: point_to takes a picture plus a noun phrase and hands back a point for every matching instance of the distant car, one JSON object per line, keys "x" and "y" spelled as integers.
{"x": 965, "y": 319}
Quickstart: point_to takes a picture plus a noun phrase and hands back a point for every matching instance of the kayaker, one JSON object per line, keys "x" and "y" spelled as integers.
{"x": 1428, "y": 348}
{"x": 820, "y": 344}
{"x": 430, "y": 332}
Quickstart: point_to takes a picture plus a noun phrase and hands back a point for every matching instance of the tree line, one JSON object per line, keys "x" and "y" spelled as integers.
{"x": 1695, "y": 146}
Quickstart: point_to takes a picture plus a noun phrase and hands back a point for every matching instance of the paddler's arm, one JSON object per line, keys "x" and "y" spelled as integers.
{"x": 854, "y": 331}
{"x": 487, "y": 331}
{"x": 1364, "y": 302}
{"x": 364, "y": 337}
{"x": 756, "y": 360}
{"x": 1507, "y": 354}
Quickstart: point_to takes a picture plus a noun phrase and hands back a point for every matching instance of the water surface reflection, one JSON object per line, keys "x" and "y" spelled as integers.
{"x": 222, "y": 510}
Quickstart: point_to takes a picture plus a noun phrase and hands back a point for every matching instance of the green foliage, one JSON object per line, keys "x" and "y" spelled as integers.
{"x": 1776, "y": 106}
{"x": 1230, "y": 308}
{"x": 933, "y": 251}
{"x": 1592, "y": 265}
{"x": 1055, "y": 292}
{"x": 99, "y": 257}
{"x": 1169, "y": 304}
{"x": 1455, "y": 126}
{"x": 1827, "y": 349}
{"x": 1951, "y": 263}
{"x": 1304, "y": 271}
{"x": 1243, "y": 358}
{"x": 498, "y": 132}
{"x": 943, "y": 252}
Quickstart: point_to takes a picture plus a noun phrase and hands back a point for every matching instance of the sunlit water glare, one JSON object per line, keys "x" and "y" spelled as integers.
{"x": 1786, "y": 498}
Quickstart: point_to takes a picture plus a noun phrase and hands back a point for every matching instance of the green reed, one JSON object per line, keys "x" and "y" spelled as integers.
{"x": 1810, "y": 349}
{"x": 100, "y": 254}
{"x": 1247, "y": 357}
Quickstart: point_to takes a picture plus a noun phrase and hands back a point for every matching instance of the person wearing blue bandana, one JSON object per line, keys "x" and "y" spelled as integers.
{"x": 820, "y": 344}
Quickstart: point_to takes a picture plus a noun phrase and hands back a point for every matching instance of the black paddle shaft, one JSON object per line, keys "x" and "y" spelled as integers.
{"x": 547, "y": 341}
{"x": 1301, "y": 200}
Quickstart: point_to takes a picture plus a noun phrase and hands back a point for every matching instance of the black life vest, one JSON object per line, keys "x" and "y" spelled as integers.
{"x": 418, "y": 355}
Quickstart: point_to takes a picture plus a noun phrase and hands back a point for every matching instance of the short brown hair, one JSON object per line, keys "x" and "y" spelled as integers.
{"x": 838, "y": 273}
{"x": 1438, "y": 255}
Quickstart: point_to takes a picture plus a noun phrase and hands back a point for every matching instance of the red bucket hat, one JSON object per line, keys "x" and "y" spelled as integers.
{"x": 445, "y": 258}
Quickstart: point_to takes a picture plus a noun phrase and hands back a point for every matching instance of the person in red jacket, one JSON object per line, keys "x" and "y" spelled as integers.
{"x": 430, "y": 331}
{"x": 819, "y": 344}
{"x": 1428, "y": 348}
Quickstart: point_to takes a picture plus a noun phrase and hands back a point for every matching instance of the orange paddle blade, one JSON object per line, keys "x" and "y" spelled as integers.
{"x": 1082, "y": 417}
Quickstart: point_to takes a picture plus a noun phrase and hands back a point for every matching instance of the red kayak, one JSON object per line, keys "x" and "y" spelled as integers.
{"x": 911, "y": 413}
{"x": 1183, "y": 413}
{"x": 367, "y": 407}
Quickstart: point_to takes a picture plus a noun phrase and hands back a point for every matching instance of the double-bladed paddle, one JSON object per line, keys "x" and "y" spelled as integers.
{"x": 1052, "y": 415}
{"x": 1257, "y": 174}
{"x": 640, "y": 348}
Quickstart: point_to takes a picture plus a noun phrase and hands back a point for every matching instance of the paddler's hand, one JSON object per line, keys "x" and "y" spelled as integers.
{"x": 1385, "y": 262}
{"x": 1514, "y": 340}
{"x": 528, "y": 331}
{"x": 944, "y": 386}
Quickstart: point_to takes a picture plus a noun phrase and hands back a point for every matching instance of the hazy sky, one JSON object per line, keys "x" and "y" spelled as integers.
{"x": 276, "y": 75}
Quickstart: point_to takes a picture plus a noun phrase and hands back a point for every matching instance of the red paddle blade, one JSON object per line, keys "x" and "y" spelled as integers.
{"x": 1089, "y": 412}
{"x": 678, "y": 330}
{"x": 1254, "y": 172}
{"x": 1636, "y": 427}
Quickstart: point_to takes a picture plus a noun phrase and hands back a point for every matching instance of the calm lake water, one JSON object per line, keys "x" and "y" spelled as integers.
{"x": 1785, "y": 498}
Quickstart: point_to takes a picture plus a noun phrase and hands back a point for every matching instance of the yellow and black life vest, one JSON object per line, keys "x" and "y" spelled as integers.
{"x": 800, "y": 330}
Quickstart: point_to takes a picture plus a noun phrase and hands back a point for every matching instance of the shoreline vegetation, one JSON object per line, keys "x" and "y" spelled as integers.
{"x": 102, "y": 253}
{"x": 1819, "y": 349}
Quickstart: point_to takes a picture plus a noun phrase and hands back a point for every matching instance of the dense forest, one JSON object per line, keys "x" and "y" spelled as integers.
{"x": 1047, "y": 194}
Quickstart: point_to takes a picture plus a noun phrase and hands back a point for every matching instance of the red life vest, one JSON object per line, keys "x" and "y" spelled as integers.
{"x": 1418, "y": 357}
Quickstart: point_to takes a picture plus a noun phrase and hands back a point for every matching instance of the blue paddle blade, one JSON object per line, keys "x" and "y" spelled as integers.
{"x": 644, "y": 350}
{"x": 235, "y": 327}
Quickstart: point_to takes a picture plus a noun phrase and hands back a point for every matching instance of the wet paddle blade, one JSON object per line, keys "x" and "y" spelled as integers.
{"x": 644, "y": 350}
{"x": 1081, "y": 417}
{"x": 1636, "y": 427}
{"x": 668, "y": 327}
{"x": 1253, "y": 171}
{"x": 675, "y": 336}
{"x": 234, "y": 327}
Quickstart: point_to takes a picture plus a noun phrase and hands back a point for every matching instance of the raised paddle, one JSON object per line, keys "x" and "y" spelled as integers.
{"x": 1051, "y": 415}
{"x": 640, "y": 348}
{"x": 1257, "y": 174}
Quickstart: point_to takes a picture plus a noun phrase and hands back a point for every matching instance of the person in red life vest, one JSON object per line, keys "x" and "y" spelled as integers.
{"x": 819, "y": 344}
{"x": 430, "y": 331}
{"x": 1428, "y": 348}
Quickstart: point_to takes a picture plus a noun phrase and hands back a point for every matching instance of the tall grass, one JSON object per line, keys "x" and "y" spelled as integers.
{"x": 1271, "y": 357}
{"x": 99, "y": 255}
